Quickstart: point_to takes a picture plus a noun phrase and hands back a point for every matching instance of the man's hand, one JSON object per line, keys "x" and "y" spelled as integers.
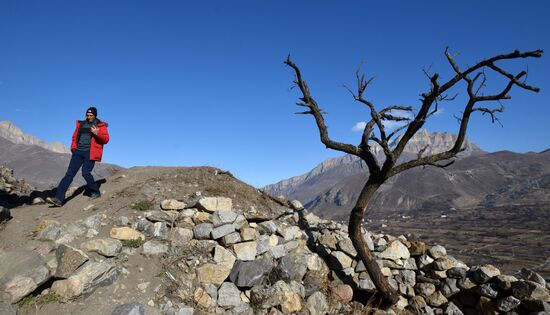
{"x": 95, "y": 130}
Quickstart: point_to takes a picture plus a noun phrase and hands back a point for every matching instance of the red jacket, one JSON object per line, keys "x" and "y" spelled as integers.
{"x": 96, "y": 147}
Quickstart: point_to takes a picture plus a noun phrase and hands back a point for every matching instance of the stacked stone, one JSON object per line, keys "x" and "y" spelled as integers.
{"x": 224, "y": 261}
{"x": 11, "y": 185}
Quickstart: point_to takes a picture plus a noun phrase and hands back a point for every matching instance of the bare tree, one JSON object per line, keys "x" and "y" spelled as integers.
{"x": 374, "y": 132}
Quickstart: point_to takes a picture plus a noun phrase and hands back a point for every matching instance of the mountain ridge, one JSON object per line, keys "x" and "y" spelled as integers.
{"x": 11, "y": 132}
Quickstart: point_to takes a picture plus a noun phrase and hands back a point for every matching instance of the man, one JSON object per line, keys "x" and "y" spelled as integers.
{"x": 87, "y": 146}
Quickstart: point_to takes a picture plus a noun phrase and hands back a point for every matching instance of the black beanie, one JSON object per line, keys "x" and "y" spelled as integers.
{"x": 92, "y": 110}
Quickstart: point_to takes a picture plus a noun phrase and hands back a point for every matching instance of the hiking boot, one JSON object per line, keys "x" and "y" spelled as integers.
{"x": 95, "y": 196}
{"x": 54, "y": 202}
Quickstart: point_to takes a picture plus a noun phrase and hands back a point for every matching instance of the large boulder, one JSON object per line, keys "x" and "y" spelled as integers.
{"x": 68, "y": 260}
{"x": 246, "y": 274}
{"x": 21, "y": 273}
{"x": 86, "y": 280}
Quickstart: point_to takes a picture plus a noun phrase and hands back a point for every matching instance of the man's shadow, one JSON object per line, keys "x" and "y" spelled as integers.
{"x": 11, "y": 201}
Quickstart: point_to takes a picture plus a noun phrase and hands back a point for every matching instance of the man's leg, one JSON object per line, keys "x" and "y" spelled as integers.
{"x": 74, "y": 165}
{"x": 87, "y": 168}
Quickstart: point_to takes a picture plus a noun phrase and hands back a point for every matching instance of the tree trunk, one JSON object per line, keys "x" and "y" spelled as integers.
{"x": 355, "y": 230}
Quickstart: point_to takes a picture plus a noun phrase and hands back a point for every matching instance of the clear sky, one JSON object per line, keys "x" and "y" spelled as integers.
{"x": 190, "y": 83}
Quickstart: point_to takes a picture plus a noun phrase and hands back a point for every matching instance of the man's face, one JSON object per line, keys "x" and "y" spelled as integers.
{"x": 90, "y": 117}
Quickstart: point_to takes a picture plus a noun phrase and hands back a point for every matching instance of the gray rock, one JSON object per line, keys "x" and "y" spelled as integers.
{"x": 410, "y": 264}
{"x": 507, "y": 304}
{"x": 489, "y": 290}
{"x": 290, "y": 233}
{"x": 528, "y": 290}
{"x": 221, "y": 231}
{"x": 231, "y": 238}
{"x": 297, "y": 205}
{"x": 367, "y": 284}
{"x": 124, "y": 221}
{"x": 186, "y": 310}
{"x": 161, "y": 216}
{"x": 87, "y": 279}
{"x": 457, "y": 272}
{"x": 240, "y": 222}
{"x": 424, "y": 289}
{"x": 417, "y": 305}
{"x": 220, "y": 218}
{"x": 245, "y": 251}
{"x": 246, "y": 274}
{"x": 278, "y": 251}
{"x": 437, "y": 251}
{"x": 229, "y": 295}
{"x": 107, "y": 247}
{"x": 21, "y": 273}
{"x": 395, "y": 250}
{"x": 482, "y": 274}
{"x": 263, "y": 244}
{"x": 527, "y": 274}
{"x": 212, "y": 291}
{"x": 7, "y": 309}
{"x": 466, "y": 284}
{"x": 172, "y": 204}
{"x": 346, "y": 246}
{"x": 49, "y": 233}
{"x": 292, "y": 245}
{"x": 339, "y": 260}
{"x": 292, "y": 267}
{"x": 328, "y": 240}
{"x": 160, "y": 230}
{"x": 145, "y": 227}
{"x": 180, "y": 236}
{"x": 423, "y": 261}
{"x": 504, "y": 281}
{"x": 449, "y": 287}
{"x": 267, "y": 227}
{"x": 452, "y": 309}
{"x": 151, "y": 248}
{"x": 436, "y": 299}
{"x": 317, "y": 304}
{"x": 202, "y": 231}
{"x": 360, "y": 267}
{"x": 367, "y": 237}
{"x": 93, "y": 221}
{"x": 5, "y": 214}
{"x": 443, "y": 263}
{"x": 129, "y": 309}
{"x": 68, "y": 260}
{"x": 407, "y": 277}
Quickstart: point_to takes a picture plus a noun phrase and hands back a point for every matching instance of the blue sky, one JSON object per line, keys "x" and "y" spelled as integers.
{"x": 203, "y": 82}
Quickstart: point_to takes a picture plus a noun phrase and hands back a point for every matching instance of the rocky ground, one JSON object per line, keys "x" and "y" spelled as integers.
{"x": 198, "y": 241}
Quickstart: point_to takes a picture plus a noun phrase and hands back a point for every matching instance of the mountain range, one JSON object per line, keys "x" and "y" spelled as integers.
{"x": 476, "y": 179}
{"x": 41, "y": 164}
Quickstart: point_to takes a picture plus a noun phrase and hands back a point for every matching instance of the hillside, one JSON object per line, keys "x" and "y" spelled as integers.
{"x": 166, "y": 240}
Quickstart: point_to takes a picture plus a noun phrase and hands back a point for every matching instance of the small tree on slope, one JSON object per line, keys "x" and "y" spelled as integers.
{"x": 475, "y": 78}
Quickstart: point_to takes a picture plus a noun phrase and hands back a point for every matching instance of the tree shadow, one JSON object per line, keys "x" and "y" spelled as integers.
{"x": 10, "y": 200}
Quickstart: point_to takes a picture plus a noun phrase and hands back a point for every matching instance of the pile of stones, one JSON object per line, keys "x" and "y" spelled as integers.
{"x": 220, "y": 260}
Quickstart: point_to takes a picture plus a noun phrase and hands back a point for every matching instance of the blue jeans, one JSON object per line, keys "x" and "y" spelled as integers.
{"x": 79, "y": 158}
